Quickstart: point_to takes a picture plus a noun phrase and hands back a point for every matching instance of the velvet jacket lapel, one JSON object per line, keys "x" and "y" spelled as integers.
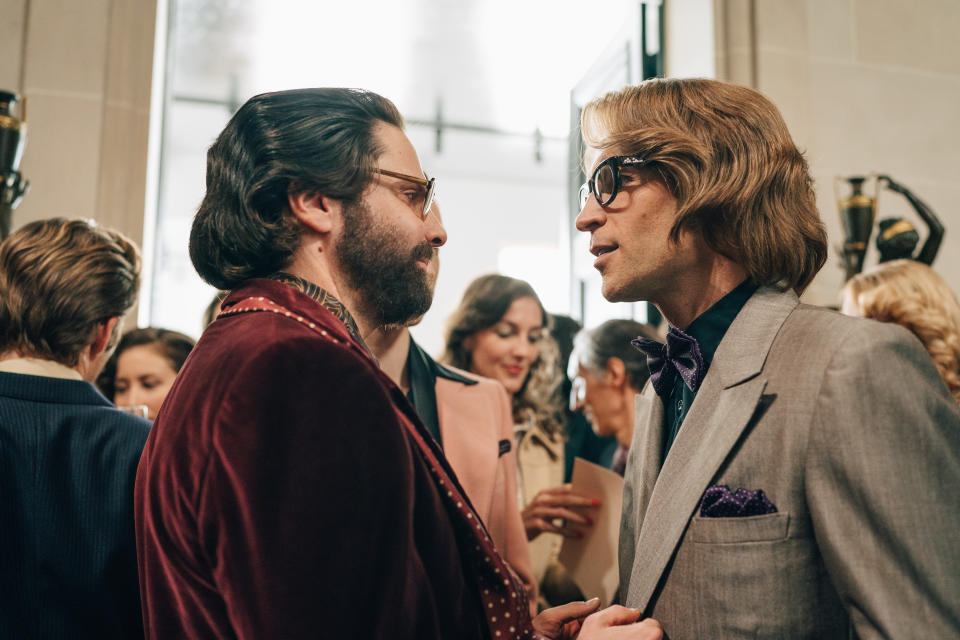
{"x": 724, "y": 405}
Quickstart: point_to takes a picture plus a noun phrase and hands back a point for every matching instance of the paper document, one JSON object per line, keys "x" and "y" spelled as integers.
{"x": 591, "y": 561}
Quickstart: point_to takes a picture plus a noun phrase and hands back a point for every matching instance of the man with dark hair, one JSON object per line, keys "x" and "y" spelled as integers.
{"x": 787, "y": 473}
{"x": 288, "y": 489}
{"x": 68, "y": 457}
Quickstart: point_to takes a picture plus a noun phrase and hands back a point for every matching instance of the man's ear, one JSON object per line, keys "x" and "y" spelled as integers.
{"x": 314, "y": 210}
{"x": 615, "y": 372}
{"x": 102, "y": 335}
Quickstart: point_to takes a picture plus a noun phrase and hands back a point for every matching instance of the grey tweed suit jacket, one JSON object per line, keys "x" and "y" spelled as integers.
{"x": 847, "y": 428}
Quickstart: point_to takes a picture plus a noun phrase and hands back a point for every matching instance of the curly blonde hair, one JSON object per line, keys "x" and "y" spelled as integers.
{"x": 485, "y": 301}
{"x": 913, "y": 295}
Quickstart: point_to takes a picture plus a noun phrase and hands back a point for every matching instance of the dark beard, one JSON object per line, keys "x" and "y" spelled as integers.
{"x": 392, "y": 288}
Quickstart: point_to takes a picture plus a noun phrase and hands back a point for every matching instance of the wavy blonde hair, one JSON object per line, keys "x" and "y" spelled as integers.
{"x": 484, "y": 303}
{"x": 724, "y": 152}
{"x": 913, "y": 295}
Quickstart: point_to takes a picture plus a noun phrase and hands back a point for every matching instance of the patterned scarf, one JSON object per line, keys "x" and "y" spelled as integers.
{"x": 326, "y": 300}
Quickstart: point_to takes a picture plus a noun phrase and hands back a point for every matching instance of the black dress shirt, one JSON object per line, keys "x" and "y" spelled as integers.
{"x": 708, "y": 329}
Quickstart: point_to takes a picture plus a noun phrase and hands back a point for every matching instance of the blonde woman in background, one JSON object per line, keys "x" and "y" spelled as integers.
{"x": 500, "y": 330}
{"x": 913, "y": 295}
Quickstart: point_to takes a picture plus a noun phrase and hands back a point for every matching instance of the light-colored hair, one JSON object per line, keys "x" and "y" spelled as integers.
{"x": 724, "y": 152}
{"x": 484, "y": 303}
{"x": 913, "y": 295}
{"x": 59, "y": 278}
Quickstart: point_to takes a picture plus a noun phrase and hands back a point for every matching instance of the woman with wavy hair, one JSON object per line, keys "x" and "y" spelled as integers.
{"x": 500, "y": 330}
{"x": 913, "y": 295}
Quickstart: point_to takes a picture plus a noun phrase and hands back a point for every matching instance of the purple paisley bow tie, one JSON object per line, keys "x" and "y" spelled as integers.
{"x": 679, "y": 356}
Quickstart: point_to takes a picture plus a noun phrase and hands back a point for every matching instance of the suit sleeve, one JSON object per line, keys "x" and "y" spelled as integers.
{"x": 883, "y": 469}
{"x": 517, "y": 551}
{"x": 305, "y": 511}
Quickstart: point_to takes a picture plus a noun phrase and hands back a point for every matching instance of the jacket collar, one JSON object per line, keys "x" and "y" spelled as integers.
{"x": 296, "y": 301}
{"x": 53, "y": 390}
{"x": 424, "y": 372}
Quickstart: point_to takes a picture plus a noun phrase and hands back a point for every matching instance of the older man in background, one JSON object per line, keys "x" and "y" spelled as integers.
{"x": 68, "y": 457}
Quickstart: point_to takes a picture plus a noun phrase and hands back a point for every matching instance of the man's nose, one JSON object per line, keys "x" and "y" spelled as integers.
{"x": 591, "y": 216}
{"x": 436, "y": 234}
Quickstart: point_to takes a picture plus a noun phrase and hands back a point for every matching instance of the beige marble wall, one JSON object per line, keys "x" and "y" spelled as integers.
{"x": 85, "y": 69}
{"x": 865, "y": 85}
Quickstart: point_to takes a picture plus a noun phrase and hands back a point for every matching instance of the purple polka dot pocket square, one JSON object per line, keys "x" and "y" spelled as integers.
{"x": 719, "y": 502}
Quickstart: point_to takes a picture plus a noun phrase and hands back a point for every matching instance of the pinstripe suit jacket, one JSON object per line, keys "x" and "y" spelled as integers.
{"x": 68, "y": 458}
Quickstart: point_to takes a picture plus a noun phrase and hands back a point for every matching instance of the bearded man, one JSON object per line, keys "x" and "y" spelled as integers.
{"x": 471, "y": 421}
{"x": 288, "y": 489}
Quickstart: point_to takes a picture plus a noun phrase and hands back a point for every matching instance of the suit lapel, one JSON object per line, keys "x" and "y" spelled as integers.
{"x": 704, "y": 441}
{"x": 468, "y": 441}
{"x": 721, "y": 411}
{"x": 643, "y": 466}
{"x": 646, "y": 447}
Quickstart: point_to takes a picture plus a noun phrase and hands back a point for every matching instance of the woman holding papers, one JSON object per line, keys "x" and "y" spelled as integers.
{"x": 500, "y": 331}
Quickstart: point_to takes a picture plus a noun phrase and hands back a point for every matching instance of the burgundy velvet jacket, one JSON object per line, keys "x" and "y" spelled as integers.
{"x": 281, "y": 496}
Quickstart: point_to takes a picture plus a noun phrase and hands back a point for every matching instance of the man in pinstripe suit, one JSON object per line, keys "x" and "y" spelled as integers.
{"x": 68, "y": 457}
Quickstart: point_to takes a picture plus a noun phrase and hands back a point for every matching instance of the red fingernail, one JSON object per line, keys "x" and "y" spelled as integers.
{"x": 596, "y": 503}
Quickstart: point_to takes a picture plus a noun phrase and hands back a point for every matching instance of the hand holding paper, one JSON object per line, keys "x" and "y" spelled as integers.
{"x": 558, "y": 503}
{"x": 591, "y": 561}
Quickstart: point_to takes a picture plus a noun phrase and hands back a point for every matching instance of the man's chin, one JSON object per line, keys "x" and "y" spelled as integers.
{"x": 614, "y": 292}
{"x": 404, "y": 311}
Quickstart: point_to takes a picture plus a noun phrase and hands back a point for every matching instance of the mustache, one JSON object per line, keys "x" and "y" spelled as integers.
{"x": 423, "y": 251}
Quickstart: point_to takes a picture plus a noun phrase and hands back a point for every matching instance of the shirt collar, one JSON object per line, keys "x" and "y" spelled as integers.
{"x": 711, "y": 325}
{"x": 39, "y": 367}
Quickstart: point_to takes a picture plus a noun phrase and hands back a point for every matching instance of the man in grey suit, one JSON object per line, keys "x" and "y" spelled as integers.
{"x": 794, "y": 472}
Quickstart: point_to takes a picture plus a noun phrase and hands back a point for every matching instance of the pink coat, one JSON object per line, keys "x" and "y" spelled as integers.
{"x": 476, "y": 425}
